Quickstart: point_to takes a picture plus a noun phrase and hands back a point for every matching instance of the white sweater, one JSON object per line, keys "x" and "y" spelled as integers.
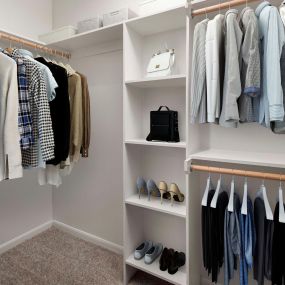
{"x": 214, "y": 61}
{"x": 10, "y": 152}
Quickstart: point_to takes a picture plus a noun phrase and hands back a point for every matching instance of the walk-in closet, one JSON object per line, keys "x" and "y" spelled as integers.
{"x": 142, "y": 142}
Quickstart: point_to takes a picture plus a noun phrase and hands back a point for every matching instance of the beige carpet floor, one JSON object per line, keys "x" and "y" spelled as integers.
{"x": 57, "y": 258}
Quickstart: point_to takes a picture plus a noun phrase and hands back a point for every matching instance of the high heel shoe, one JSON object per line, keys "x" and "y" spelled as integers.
{"x": 141, "y": 186}
{"x": 175, "y": 194}
{"x": 152, "y": 189}
{"x": 163, "y": 190}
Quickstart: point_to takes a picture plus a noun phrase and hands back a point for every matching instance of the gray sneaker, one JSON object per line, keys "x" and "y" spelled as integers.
{"x": 142, "y": 249}
{"x": 153, "y": 253}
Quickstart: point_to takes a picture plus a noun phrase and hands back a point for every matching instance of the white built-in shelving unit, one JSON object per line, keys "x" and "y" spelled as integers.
{"x": 160, "y": 161}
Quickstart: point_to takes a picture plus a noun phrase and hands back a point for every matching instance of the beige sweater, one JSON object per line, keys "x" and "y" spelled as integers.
{"x": 86, "y": 116}
{"x": 10, "y": 152}
{"x": 76, "y": 127}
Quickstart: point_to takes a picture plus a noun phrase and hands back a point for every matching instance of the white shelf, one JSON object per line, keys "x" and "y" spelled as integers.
{"x": 178, "y": 279}
{"x": 181, "y": 144}
{"x": 197, "y": 4}
{"x": 276, "y": 160}
{"x": 178, "y": 209}
{"x": 160, "y": 22}
{"x": 168, "y": 81}
{"x": 91, "y": 38}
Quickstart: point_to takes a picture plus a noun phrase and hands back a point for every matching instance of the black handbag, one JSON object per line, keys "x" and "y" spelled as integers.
{"x": 163, "y": 126}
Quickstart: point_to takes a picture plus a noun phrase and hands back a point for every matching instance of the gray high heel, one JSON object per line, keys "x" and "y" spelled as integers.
{"x": 152, "y": 189}
{"x": 141, "y": 186}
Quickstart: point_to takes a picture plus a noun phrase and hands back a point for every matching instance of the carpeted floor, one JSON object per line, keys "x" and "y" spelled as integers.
{"x": 58, "y": 258}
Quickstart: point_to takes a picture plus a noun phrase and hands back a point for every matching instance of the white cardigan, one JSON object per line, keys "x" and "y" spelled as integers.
{"x": 10, "y": 151}
{"x": 214, "y": 60}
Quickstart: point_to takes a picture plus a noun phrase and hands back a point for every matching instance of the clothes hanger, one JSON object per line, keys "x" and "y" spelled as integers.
{"x": 206, "y": 193}
{"x": 231, "y": 199}
{"x": 281, "y": 204}
{"x": 268, "y": 211}
{"x": 244, "y": 199}
{"x": 216, "y": 195}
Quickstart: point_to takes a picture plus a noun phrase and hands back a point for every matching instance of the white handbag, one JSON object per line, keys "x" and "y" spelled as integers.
{"x": 161, "y": 64}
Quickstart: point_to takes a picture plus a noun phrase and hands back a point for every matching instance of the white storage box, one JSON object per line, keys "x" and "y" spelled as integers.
{"x": 147, "y": 7}
{"x": 89, "y": 24}
{"x": 117, "y": 16}
{"x": 58, "y": 34}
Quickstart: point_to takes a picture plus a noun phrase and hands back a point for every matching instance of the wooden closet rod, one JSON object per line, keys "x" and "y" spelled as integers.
{"x": 237, "y": 172}
{"x": 13, "y": 38}
{"x": 221, "y": 6}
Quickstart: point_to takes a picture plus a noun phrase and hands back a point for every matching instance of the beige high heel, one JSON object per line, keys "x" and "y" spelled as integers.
{"x": 162, "y": 189}
{"x": 175, "y": 194}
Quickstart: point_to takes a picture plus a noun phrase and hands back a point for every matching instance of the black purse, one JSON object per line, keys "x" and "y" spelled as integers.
{"x": 163, "y": 126}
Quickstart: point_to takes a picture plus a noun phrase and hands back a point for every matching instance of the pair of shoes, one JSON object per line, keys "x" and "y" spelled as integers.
{"x": 148, "y": 188}
{"x": 149, "y": 250}
{"x": 173, "y": 193}
{"x": 171, "y": 260}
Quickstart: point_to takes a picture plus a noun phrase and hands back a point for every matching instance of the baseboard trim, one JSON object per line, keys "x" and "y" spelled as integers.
{"x": 64, "y": 227}
{"x": 23, "y": 237}
{"x": 89, "y": 237}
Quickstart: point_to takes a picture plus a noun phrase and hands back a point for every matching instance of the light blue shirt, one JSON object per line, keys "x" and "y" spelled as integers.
{"x": 272, "y": 38}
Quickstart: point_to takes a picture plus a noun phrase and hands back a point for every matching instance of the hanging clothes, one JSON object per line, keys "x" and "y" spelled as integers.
{"x": 232, "y": 82}
{"x": 76, "y": 131}
{"x": 86, "y": 116}
{"x": 278, "y": 251}
{"x": 206, "y": 233}
{"x": 248, "y": 240}
{"x": 40, "y": 111}
{"x": 272, "y": 38}
{"x": 232, "y": 240}
{"x": 217, "y": 217}
{"x": 264, "y": 236}
{"x": 60, "y": 113}
{"x": 215, "y": 62}
{"x": 198, "y": 110}
{"x": 24, "y": 112}
{"x": 213, "y": 234}
{"x": 10, "y": 151}
{"x": 250, "y": 68}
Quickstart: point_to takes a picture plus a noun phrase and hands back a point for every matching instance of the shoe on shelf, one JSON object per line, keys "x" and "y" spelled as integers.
{"x": 175, "y": 193}
{"x": 153, "y": 253}
{"x": 165, "y": 258}
{"x": 142, "y": 249}
{"x": 163, "y": 191}
{"x": 152, "y": 189}
{"x": 177, "y": 260}
{"x": 141, "y": 186}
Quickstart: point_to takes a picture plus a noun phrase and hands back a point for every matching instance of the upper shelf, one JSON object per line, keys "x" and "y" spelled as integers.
{"x": 275, "y": 160}
{"x": 90, "y": 38}
{"x": 197, "y": 4}
{"x": 163, "y": 21}
{"x": 156, "y": 82}
{"x": 160, "y": 22}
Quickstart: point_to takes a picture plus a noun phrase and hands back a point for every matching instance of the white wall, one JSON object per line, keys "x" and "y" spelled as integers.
{"x": 28, "y": 18}
{"x": 23, "y": 203}
{"x": 91, "y": 198}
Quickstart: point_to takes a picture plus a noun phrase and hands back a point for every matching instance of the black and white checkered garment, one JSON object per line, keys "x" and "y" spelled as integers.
{"x": 40, "y": 110}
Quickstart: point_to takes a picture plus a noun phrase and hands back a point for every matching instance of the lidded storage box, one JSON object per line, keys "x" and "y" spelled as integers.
{"x": 89, "y": 24}
{"x": 117, "y": 16}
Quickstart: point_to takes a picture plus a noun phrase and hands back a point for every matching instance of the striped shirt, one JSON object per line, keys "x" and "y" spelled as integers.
{"x": 198, "y": 111}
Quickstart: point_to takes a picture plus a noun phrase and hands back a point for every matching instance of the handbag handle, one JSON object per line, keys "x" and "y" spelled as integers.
{"x": 163, "y": 107}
